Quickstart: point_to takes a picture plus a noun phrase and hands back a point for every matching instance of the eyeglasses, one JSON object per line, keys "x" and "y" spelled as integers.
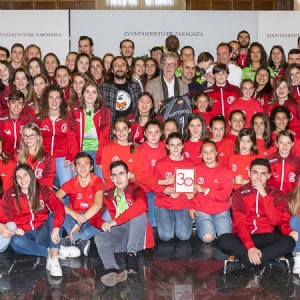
{"x": 262, "y": 75}
{"x": 172, "y": 65}
{"x": 30, "y": 137}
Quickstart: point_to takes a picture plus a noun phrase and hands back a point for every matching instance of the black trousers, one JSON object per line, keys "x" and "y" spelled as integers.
{"x": 272, "y": 246}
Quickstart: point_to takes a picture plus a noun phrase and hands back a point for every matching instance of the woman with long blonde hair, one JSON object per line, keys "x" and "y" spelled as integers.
{"x": 33, "y": 153}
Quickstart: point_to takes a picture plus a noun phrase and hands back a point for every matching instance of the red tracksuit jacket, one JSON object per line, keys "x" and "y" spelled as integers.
{"x": 222, "y": 97}
{"x": 284, "y": 172}
{"x": 11, "y": 130}
{"x": 26, "y": 219}
{"x": 294, "y": 108}
{"x": 55, "y": 137}
{"x": 254, "y": 214}
{"x": 225, "y": 149}
{"x": 137, "y": 202}
{"x": 137, "y": 131}
{"x": 75, "y": 130}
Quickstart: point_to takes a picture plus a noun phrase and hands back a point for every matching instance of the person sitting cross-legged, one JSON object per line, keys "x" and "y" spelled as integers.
{"x": 257, "y": 208}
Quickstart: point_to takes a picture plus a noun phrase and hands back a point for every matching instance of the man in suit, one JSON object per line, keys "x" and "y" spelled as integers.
{"x": 167, "y": 85}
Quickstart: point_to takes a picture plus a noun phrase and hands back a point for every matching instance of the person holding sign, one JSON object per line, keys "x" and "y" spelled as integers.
{"x": 210, "y": 207}
{"x": 171, "y": 213}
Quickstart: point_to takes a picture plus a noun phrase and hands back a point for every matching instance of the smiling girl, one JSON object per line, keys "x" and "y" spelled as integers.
{"x": 89, "y": 125}
{"x": 171, "y": 212}
{"x": 195, "y": 133}
{"x": 52, "y": 120}
{"x": 144, "y": 113}
{"x": 210, "y": 207}
{"x": 33, "y": 153}
{"x": 245, "y": 151}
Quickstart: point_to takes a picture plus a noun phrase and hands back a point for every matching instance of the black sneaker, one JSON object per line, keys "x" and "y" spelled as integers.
{"x": 113, "y": 276}
{"x": 232, "y": 264}
{"x": 132, "y": 267}
{"x": 280, "y": 264}
{"x": 84, "y": 246}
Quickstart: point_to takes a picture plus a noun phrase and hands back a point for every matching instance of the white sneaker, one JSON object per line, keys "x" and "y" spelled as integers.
{"x": 296, "y": 268}
{"x": 53, "y": 266}
{"x": 71, "y": 251}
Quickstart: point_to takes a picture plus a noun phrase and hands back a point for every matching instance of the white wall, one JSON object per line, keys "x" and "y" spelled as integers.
{"x": 46, "y": 28}
{"x": 203, "y": 30}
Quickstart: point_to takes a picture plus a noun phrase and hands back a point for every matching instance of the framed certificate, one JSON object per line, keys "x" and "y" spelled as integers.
{"x": 184, "y": 180}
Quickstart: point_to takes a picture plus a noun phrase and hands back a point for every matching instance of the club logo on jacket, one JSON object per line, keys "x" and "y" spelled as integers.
{"x": 200, "y": 180}
{"x": 79, "y": 196}
{"x": 230, "y": 99}
{"x": 45, "y": 128}
{"x": 234, "y": 167}
{"x": 168, "y": 174}
{"x": 115, "y": 158}
{"x": 129, "y": 201}
{"x": 39, "y": 173}
{"x": 261, "y": 100}
{"x": 153, "y": 162}
{"x": 292, "y": 177}
{"x": 187, "y": 154}
{"x": 64, "y": 128}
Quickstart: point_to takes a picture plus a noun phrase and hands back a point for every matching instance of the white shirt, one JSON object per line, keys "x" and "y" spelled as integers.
{"x": 171, "y": 87}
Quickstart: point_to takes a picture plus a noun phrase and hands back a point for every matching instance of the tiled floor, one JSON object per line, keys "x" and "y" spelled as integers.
{"x": 173, "y": 270}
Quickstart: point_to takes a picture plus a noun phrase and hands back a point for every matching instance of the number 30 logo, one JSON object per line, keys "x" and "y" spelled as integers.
{"x": 181, "y": 180}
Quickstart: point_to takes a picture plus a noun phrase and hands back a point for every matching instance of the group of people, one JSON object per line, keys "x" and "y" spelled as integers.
{"x": 84, "y": 147}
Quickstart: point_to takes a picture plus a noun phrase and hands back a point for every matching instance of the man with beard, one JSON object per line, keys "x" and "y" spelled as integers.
{"x": 127, "y": 50}
{"x": 189, "y": 76}
{"x": 244, "y": 40}
{"x": 235, "y": 51}
{"x": 119, "y": 92}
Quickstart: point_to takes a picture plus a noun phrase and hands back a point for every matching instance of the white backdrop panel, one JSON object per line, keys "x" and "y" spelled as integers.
{"x": 279, "y": 28}
{"x": 46, "y": 28}
{"x": 203, "y": 30}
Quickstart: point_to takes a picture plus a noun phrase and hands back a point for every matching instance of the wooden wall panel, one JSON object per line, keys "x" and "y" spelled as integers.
{"x": 190, "y": 4}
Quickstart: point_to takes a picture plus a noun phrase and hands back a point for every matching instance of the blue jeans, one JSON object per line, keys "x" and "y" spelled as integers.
{"x": 35, "y": 242}
{"x": 151, "y": 217}
{"x": 86, "y": 230}
{"x": 97, "y": 169}
{"x": 295, "y": 225}
{"x": 64, "y": 174}
{"x": 4, "y": 242}
{"x": 215, "y": 224}
{"x": 173, "y": 222}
